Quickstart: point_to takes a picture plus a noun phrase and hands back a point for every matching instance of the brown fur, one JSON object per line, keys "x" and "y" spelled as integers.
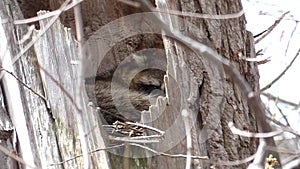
{"x": 128, "y": 101}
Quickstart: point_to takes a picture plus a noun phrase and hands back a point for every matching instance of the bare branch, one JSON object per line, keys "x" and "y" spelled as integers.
{"x": 218, "y": 162}
{"x": 15, "y": 157}
{"x": 28, "y": 87}
{"x": 80, "y": 155}
{"x": 41, "y": 32}
{"x": 169, "y": 155}
{"x": 189, "y": 14}
{"x": 292, "y": 34}
{"x": 147, "y": 127}
{"x": 203, "y": 16}
{"x": 133, "y": 132}
{"x": 270, "y": 29}
{"x": 283, "y": 115}
{"x": 293, "y": 164}
{"x": 275, "y": 98}
{"x": 130, "y": 3}
{"x": 232, "y": 163}
{"x": 80, "y": 39}
{"x": 259, "y": 158}
{"x": 284, "y": 127}
{"x": 27, "y": 35}
{"x": 259, "y": 59}
{"x": 61, "y": 87}
{"x": 281, "y": 74}
{"x": 128, "y": 139}
{"x": 237, "y": 131}
{"x": 185, "y": 117}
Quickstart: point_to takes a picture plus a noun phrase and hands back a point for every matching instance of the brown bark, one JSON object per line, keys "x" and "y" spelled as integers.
{"x": 220, "y": 100}
{"x": 200, "y": 87}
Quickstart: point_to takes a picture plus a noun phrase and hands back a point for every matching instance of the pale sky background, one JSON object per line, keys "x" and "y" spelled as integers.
{"x": 260, "y": 15}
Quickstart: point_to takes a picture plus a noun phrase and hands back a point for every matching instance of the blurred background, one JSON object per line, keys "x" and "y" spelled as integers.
{"x": 278, "y": 49}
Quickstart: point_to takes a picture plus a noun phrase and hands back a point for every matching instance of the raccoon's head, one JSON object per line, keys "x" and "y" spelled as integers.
{"x": 149, "y": 81}
{"x": 125, "y": 103}
{"x": 130, "y": 87}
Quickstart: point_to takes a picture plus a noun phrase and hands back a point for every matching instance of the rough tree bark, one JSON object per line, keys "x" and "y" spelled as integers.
{"x": 210, "y": 97}
{"x": 219, "y": 100}
{"x": 217, "y": 95}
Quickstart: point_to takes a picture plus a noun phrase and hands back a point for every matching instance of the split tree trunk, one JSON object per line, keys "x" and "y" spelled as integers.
{"x": 46, "y": 117}
{"x": 208, "y": 95}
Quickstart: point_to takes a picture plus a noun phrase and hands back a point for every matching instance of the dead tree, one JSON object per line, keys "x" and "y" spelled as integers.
{"x": 56, "y": 126}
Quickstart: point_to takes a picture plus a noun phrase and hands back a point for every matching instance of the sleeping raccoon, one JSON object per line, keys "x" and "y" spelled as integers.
{"x": 122, "y": 93}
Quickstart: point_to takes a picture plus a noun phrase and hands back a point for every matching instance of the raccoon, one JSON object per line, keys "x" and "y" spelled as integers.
{"x": 126, "y": 103}
{"x": 123, "y": 92}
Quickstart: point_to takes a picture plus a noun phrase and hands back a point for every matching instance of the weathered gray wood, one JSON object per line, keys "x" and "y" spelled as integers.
{"x": 53, "y": 123}
{"x": 6, "y": 134}
{"x": 6, "y": 128}
{"x": 10, "y": 85}
{"x": 219, "y": 100}
{"x": 59, "y": 65}
{"x": 52, "y": 126}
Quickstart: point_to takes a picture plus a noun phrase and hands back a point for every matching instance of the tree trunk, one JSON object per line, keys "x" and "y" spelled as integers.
{"x": 215, "y": 100}
{"x": 40, "y": 89}
{"x": 193, "y": 86}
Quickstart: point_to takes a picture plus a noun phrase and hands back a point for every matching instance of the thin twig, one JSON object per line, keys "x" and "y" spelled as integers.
{"x": 185, "y": 118}
{"x": 15, "y": 157}
{"x": 25, "y": 85}
{"x": 295, "y": 163}
{"x": 233, "y": 163}
{"x": 218, "y": 162}
{"x": 275, "y": 98}
{"x": 90, "y": 152}
{"x": 127, "y": 129}
{"x": 147, "y": 127}
{"x": 239, "y": 132}
{"x": 169, "y": 155}
{"x": 284, "y": 127}
{"x": 283, "y": 115}
{"x": 257, "y": 35}
{"x": 80, "y": 118}
{"x": 281, "y": 74}
{"x": 202, "y": 16}
{"x": 130, "y": 140}
{"x": 41, "y": 32}
{"x": 27, "y": 35}
{"x": 130, "y": 3}
{"x": 61, "y": 87}
{"x": 79, "y": 26}
{"x": 292, "y": 34}
{"x": 189, "y": 14}
{"x": 259, "y": 158}
{"x": 270, "y": 29}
